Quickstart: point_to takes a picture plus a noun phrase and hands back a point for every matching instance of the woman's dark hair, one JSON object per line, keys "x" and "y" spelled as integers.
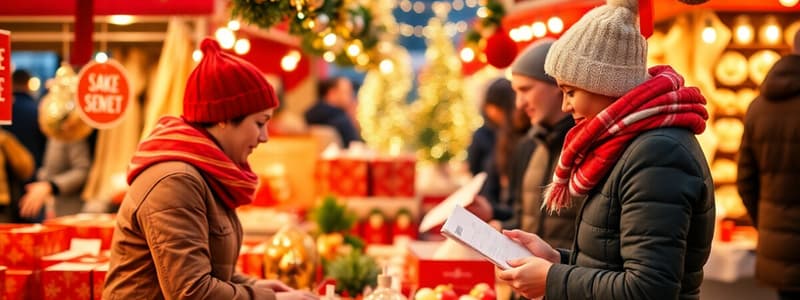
{"x": 501, "y": 94}
{"x": 236, "y": 121}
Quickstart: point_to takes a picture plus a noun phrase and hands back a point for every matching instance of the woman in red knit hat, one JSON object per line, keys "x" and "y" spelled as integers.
{"x": 177, "y": 234}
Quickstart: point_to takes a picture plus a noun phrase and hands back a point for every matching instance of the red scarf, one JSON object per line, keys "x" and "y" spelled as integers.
{"x": 175, "y": 140}
{"x": 593, "y": 146}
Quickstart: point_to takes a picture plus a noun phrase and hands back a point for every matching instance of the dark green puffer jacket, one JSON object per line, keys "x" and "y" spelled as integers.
{"x": 645, "y": 231}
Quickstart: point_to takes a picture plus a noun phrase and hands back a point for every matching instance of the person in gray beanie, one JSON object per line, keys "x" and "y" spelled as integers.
{"x": 645, "y": 227}
{"x": 536, "y": 155}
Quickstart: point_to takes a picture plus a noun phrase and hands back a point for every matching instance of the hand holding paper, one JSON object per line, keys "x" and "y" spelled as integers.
{"x": 466, "y": 228}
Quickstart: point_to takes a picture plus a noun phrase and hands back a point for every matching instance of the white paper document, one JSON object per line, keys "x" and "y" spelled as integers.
{"x": 466, "y": 228}
{"x": 462, "y": 196}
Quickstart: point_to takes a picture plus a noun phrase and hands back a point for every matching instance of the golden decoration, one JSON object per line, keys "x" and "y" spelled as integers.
{"x": 58, "y": 112}
{"x": 760, "y": 64}
{"x": 731, "y": 69}
{"x": 291, "y": 257}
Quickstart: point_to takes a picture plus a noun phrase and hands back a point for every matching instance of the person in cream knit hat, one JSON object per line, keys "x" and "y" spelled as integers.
{"x": 607, "y": 38}
{"x": 645, "y": 227}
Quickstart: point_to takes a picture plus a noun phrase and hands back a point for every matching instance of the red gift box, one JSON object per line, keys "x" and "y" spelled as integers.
{"x": 425, "y": 271}
{"x": 251, "y": 259}
{"x": 343, "y": 177}
{"x": 99, "y": 281}
{"x": 60, "y": 257}
{"x": 23, "y": 245}
{"x": 88, "y": 226}
{"x": 23, "y": 285}
{"x": 68, "y": 281}
{"x": 393, "y": 176}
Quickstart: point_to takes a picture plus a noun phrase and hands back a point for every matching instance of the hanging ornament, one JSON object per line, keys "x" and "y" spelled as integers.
{"x": 291, "y": 257}
{"x": 58, "y": 112}
{"x": 500, "y": 49}
{"x": 321, "y": 22}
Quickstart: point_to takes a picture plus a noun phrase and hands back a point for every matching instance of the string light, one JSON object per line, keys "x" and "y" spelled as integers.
{"x": 770, "y": 32}
{"x": 329, "y": 56}
{"x": 329, "y": 40}
{"x": 539, "y": 29}
{"x": 101, "y": 57}
{"x": 555, "y": 24}
{"x": 709, "y": 35}
{"x": 34, "y": 83}
{"x": 234, "y": 25}
{"x": 225, "y": 37}
{"x": 242, "y": 46}
{"x": 467, "y": 54}
{"x": 290, "y": 60}
{"x": 788, "y": 3}
{"x": 744, "y": 31}
{"x": 386, "y": 66}
{"x": 197, "y": 55}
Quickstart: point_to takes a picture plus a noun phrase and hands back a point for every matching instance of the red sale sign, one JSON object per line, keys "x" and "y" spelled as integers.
{"x": 5, "y": 77}
{"x": 103, "y": 94}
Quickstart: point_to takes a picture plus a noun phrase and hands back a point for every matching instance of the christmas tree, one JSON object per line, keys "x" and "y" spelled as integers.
{"x": 443, "y": 119}
{"x": 385, "y": 89}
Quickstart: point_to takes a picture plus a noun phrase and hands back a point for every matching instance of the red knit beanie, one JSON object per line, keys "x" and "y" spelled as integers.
{"x": 223, "y": 87}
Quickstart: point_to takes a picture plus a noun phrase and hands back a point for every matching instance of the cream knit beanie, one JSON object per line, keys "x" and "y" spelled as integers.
{"x": 603, "y": 53}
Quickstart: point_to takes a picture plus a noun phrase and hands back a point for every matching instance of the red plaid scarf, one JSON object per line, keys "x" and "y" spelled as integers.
{"x": 593, "y": 146}
{"x": 175, "y": 140}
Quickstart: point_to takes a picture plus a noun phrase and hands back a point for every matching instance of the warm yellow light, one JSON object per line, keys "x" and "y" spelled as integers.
{"x": 353, "y": 49}
{"x": 788, "y": 3}
{"x": 329, "y": 56}
{"x": 772, "y": 34}
{"x": 555, "y": 24}
{"x": 514, "y": 35}
{"x": 101, "y": 57}
{"x": 234, "y": 25}
{"x": 225, "y": 37}
{"x": 743, "y": 31}
{"x": 482, "y": 12}
{"x": 525, "y": 33}
{"x": 242, "y": 46}
{"x": 709, "y": 35}
{"x": 386, "y": 66}
{"x": 289, "y": 62}
{"x": 197, "y": 55}
{"x": 329, "y": 40}
{"x": 362, "y": 59}
{"x": 121, "y": 19}
{"x": 34, "y": 83}
{"x": 467, "y": 54}
{"x": 539, "y": 29}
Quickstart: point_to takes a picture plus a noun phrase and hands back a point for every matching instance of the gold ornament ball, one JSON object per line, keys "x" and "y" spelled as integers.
{"x": 58, "y": 111}
{"x": 292, "y": 258}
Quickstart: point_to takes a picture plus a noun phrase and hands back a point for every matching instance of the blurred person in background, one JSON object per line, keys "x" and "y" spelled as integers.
{"x": 16, "y": 165}
{"x": 769, "y": 163}
{"x": 535, "y": 155}
{"x": 335, "y": 107}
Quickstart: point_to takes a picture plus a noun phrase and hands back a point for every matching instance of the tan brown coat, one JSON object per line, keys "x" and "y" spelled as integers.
{"x": 174, "y": 240}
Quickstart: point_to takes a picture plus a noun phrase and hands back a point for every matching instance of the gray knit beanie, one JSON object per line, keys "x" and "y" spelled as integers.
{"x": 531, "y": 61}
{"x": 603, "y": 53}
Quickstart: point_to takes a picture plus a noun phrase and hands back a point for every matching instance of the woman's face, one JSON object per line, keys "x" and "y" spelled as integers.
{"x": 239, "y": 140}
{"x": 582, "y": 104}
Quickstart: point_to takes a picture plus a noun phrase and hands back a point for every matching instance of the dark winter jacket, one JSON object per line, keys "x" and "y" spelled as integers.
{"x": 769, "y": 174}
{"x": 645, "y": 231}
{"x": 556, "y": 229}
{"x": 326, "y": 114}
